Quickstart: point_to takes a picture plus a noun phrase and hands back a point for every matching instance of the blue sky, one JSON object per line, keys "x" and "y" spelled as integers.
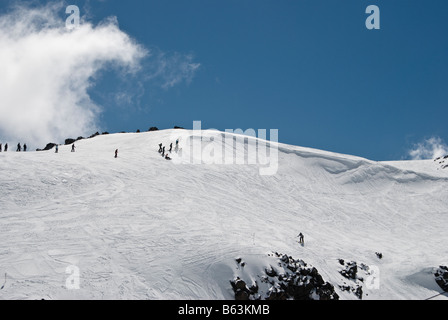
{"x": 309, "y": 68}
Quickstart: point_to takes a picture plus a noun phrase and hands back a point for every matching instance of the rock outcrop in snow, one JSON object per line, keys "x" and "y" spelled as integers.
{"x": 441, "y": 276}
{"x": 289, "y": 279}
{"x": 351, "y": 272}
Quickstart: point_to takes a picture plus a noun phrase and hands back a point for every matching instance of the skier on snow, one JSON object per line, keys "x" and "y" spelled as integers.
{"x": 301, "y": 238}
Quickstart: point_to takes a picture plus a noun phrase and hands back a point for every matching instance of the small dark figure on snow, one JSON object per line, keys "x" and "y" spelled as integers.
{"x": 73, "y": 147}
{"x": 0, "y": 147}
{"x": 163, "y": 152}
{"x": 160, "y": 148}
{"x": 19, "y": 147}
{"x": 6, "y": 147}
{"x": 171, "y": 147}
{"x": 301, "y": 238}
{"x": 57, "y": 149}
{"x": 116, "y": 153}
{"x": 24, "y": 147}
{"x": 167, "y": 157}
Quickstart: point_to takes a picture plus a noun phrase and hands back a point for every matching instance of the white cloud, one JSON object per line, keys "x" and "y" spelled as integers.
{"x": 431, "y": 148}
{"x": 169, "y": 70}
{"x": 46, "y": 71}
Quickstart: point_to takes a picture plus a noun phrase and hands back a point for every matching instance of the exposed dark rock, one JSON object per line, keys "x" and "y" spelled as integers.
{"x": 350, "y": 270}
{"x": 94, "y": 135}
{"x": 240, "y": 289}
{"x": 345, "y": 288}
{"x": 240, "y": 284}
{"x": 49, "y": 146}
{"x": 441, "y": 276}
{"x": 295, "y": 281}
{"x": 153, "y": 129}
{"x": 358, "y": 292}
{"x": 353, "y": 272}
{"x": 241, "y": 295}
{"x": 254, "y": 288}
{"x": 69, "y": 141}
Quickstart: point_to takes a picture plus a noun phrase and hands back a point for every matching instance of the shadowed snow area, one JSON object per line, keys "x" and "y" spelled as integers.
{"x": 142, "y": 227}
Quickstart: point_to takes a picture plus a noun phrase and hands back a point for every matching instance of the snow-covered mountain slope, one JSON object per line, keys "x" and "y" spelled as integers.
{"x": 141, "y": 227}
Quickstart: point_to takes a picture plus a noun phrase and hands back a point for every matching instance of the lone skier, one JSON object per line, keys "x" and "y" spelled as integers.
{"x": 116, "y": 153}
{"x": 73, "y": 147}
{"x": 301, "y": 239}
{"x": 57, "y": 149}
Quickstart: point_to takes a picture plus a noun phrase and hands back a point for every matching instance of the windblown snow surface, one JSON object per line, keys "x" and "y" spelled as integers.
{"x": 141, "y": 227}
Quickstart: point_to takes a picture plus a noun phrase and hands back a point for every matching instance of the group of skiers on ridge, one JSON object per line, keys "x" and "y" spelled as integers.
{"x": 165, "y": 154}
{"x": 25, "y": 148}
{"x": 161, "y": 149}
{"x": 56, "y": 148}
{"x": 19, "y": 148}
